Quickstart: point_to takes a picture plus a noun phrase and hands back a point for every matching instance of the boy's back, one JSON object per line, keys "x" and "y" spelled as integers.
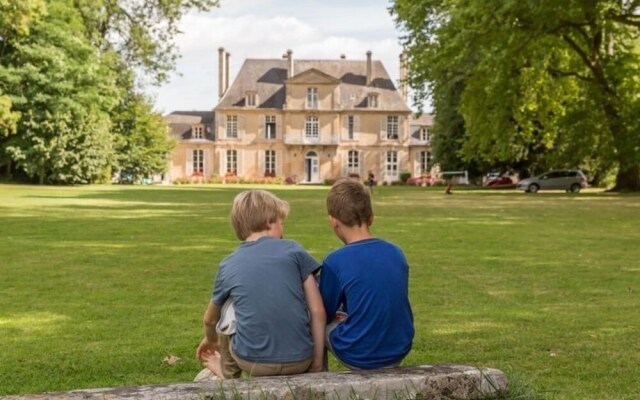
{"x": 369, "y": 278}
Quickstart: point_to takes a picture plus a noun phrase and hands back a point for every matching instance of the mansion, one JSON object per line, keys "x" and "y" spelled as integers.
{"x": 306, "y": 121}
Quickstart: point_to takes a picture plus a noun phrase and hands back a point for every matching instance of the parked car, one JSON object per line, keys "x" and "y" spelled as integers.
{"x": 571, "y": 180}
{"x": 500, "y": 181}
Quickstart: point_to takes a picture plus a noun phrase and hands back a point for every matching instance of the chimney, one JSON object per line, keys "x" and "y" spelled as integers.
{"x": 221, "y": 72}
{"x": 403, "y": 75}
{"x": 290, "y": 71}
{"x": 226, "y": 72}
{"x": 369, "y": 68}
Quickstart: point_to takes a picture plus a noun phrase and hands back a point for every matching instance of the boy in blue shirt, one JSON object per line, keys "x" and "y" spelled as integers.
{"x": 364, "y": 286}
{"x": 279, "y": 317}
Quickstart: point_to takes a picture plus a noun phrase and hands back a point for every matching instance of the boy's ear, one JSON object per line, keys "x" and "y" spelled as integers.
{"x": 333, "y": 222}
{"x": 370, "y": 221}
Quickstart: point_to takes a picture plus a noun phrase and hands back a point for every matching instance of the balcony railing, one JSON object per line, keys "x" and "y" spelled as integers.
{"x": 304, "y": 140}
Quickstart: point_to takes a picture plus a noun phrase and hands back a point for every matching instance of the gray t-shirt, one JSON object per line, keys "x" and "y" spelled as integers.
{"x": 264, "y": 280}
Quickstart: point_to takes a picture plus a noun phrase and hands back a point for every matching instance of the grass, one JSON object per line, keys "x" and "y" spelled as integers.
{"x": 98, "y": 284}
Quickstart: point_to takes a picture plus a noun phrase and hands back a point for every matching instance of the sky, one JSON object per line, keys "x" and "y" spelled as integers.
{"x": 312, "y": 29}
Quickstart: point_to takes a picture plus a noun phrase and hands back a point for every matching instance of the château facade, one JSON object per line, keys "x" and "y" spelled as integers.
{"x": 303, "y": 120}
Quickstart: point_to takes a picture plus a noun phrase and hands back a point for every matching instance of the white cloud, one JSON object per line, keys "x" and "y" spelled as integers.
{"x": 266, "y": 29}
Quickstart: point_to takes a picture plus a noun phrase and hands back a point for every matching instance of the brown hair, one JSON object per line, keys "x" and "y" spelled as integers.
{"x": 254, "y": 210}
{"x": 349, "y": 202}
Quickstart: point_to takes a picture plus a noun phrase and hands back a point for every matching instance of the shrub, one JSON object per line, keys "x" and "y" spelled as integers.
{"x": 404, "y": 176}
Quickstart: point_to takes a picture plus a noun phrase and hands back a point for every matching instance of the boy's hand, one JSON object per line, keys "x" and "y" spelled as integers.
{"x": 316, "y": 367}
{"x": 206, "y": 349}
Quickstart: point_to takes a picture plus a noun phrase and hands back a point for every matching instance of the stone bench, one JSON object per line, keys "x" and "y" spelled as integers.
{"x": 427, "y": 382}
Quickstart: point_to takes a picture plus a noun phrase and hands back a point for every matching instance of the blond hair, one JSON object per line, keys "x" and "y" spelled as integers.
{"x": 349, "y": 202}
{"x": 253, "y": 211}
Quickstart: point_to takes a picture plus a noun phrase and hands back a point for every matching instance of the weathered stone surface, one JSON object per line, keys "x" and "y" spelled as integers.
{"x": 438, "y": 382}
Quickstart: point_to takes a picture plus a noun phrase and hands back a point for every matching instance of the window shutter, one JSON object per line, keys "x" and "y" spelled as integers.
{"x": 345, "y": 127}
{"x": 262, "y": 123}
{"x": 262, "y": 158}
{"x": 189, "y": 166}
{"x": 221, "y": 122}
{"x": 383, "y": 164}
{"x": 361, "y": 164}
{"x": 240, "y": 155}
{"x": 279, "y": 127}
{"x": 223, "y": 162}
{"x": 356, "y": 127}
{"x": 205, "y": 162}
{"x": 383, "y": 127}
{"x": 279, "y": 156}
{"x": 241, "y": 126}
{"x": 345, "y": 162}
{"x": 401, "y": 130}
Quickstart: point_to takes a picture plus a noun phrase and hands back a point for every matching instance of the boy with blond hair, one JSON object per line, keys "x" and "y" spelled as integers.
{"x": 364, "y": 286}
{"x": 279, "y": 316}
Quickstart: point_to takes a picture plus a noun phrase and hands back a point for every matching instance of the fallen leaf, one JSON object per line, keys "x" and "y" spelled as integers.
{"x": 171, "y": 359}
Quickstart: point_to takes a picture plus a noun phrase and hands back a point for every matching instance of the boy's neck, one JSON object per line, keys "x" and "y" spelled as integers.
{"x": 257, "y": 235}
{"x": 355, "y": 234}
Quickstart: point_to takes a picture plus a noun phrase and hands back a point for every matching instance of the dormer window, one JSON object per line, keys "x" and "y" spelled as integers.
{"x": 372, "y": 100}
{"x": 425, "y": 135}
{"x": 251, "y": 99}
{"x": 312, "y": 97}
{"x": 198, "y": 132}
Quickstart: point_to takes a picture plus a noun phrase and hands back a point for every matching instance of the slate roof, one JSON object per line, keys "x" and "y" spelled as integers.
{"x": 267, "y": 77}
{"x": 415, "y": 123}
{"x": 181, "y": 122}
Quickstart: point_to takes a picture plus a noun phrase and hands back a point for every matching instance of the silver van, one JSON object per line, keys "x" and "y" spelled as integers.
{"x": 571, "y": 180}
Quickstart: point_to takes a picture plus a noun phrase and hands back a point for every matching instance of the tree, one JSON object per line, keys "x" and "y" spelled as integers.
{"x": 141, "y": 32}
{"x": 63, "y": 94}
{"x": 142, "y": 145}
{"x": 555, "y": 78}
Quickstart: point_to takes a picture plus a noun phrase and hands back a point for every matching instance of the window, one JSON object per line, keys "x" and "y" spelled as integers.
{"x": 232, "y": 126}
{"x": 353, "y": 162}
{"x": 350, "y": 127}
{"x": 425, "y": 161}
{"x": 425, "y": 135}
{"x": 311, "y": 127}
{"x": 392, "y": 127}
{"x": 270, "y": 126}
{"x": 232, "y": 162}
{"x": 270, "y": 163}
{"x": 251, "y": 99}
{"x": 198, "y": 162}
{"x": 312, "y": 97}
{"x": 197, "y": 132}
{"x": 372, "y": 100}
{"x": 392, "y": 164}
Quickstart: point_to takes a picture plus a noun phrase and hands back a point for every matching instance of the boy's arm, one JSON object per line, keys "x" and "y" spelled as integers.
{"x": 210, "y": 342}
{"x": 318, "y": 321}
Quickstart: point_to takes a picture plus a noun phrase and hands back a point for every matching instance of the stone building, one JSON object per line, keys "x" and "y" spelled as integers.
{"x": 305, "y": 120}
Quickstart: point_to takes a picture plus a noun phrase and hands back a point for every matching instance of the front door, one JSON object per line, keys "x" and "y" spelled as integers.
{"x": 311, "y": 168}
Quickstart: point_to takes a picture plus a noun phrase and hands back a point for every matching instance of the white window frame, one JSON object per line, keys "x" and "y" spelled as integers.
{"x": 353, "y": 162}
{"x": 425, "y": 161}
{"x": 372, "y": 100}
{"x": 198, "y": 161}
{"x": 425, "y": 134}
{"x": 351, "y": 127}
{"x": 270, "y": 162}
{"x": 198, "y": 132}
{"x": 311, "y": 127}
{"x": 391, "y": 165}
{"x": 312, "y": 97}
{"x": 232, "y": 126}
{"x": 270, "y": 122}
{"x": 392, "y": 127}
{"x": 251, "y": 99}
{"x": 232, "y": 161}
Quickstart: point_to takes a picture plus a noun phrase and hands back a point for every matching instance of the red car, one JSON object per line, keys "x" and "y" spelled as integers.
{"x": 500, "y": 181}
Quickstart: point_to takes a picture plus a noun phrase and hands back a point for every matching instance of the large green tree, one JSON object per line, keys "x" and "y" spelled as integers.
{"x": 551, "y": 81}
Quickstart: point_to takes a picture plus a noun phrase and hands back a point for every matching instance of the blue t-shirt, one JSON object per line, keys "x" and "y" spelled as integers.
{"x": 264, "y": 280}
{"x": 369, "y": 279}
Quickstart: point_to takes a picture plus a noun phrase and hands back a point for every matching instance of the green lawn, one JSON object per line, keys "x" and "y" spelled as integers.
{"x": 99, "y": 284}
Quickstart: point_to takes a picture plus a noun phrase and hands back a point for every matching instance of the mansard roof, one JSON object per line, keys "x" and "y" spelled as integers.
{"x": 267, "y": 77}
{"x": 181, "y": 123}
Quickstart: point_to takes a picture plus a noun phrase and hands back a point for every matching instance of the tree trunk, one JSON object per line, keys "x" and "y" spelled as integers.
{"x": 41, "y": 176}
{"x": 628, "y": 180}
